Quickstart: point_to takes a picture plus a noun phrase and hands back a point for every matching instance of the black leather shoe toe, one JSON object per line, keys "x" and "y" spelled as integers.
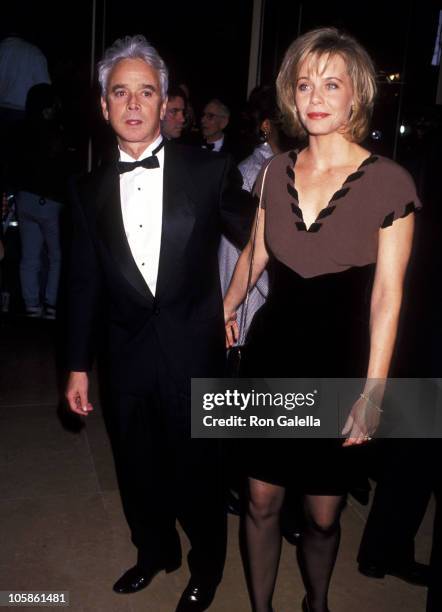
{"x": 371, "y": 570}
{"x": 413, "y": 573}
{"x": 137, "y": 577}
{"x": 292, "y": 535}
{"x": 196, "y": 597}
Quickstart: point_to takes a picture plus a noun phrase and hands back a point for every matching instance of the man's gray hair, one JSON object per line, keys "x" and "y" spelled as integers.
{"x": 132, "y": 47}
{"x": 224, "y": 110}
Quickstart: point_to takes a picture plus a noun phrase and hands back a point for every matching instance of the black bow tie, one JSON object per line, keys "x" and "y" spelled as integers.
{"x": 209, "y": 146}
{"x": 147, "y": 162}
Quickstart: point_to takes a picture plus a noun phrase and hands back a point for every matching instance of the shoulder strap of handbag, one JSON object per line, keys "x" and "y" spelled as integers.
{"x": 242, "y": 330}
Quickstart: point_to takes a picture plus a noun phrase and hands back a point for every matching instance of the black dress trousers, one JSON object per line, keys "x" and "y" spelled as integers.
{"x": 403, "y": 490}
{"x": 164, "y": 475}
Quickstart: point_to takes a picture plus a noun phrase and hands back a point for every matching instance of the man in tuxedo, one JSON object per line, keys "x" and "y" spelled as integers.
{"x": 144, "y": 262}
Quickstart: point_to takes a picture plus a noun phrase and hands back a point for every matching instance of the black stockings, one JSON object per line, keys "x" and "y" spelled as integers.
{"x": 319, "y": 546}
{"x": 317, "y": 550}
{"x": 263, "y": 541}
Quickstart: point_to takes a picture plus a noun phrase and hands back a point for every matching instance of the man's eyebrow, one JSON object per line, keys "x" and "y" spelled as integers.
{"x": 124, "y": 85}
{"x": 118, "y": 86}
{"x": 148, "y": 86}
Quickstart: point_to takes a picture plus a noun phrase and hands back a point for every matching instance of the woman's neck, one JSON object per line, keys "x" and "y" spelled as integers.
{"x": 273, "y": 141}
{"x": 332, "y": 150}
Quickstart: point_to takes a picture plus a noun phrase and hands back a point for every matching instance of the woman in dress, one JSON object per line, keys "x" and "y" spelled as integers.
{"x": 335, "y": 233}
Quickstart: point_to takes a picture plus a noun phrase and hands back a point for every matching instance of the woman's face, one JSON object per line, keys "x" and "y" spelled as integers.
{"x": 323, "y": 94}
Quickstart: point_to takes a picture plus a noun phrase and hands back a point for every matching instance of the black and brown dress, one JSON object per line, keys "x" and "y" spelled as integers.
{"x": 315, "y": 322}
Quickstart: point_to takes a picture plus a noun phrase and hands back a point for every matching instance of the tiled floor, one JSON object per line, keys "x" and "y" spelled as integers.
{"x": 61, "y": 521}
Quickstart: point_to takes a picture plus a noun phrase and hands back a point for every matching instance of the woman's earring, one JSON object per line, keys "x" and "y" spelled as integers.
{"x": 263, "y": 135}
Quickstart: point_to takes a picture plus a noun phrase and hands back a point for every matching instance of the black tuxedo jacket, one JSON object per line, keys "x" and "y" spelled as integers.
{"x": 202, "y": 198}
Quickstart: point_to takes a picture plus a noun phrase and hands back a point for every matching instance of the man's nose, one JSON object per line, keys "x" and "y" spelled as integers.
{"x": 132, "y": 102}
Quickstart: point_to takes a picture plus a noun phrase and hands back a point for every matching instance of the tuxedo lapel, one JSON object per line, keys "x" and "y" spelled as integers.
{"x": 178, "y": 216}
{"x": 111, "y": 229}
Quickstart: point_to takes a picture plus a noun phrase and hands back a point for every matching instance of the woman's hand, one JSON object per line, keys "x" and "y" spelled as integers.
{"x": 232, "y": 330}
{"x": 362, "y": 422}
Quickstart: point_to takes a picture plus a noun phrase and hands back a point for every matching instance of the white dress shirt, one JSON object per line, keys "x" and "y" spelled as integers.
{"x": 141, "y": 192}
{"x": 216, "y": 145}
{"x": 251, "y": 166}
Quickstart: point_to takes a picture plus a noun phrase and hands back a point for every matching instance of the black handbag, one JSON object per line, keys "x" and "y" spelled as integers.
{"x": 236, "y": 355}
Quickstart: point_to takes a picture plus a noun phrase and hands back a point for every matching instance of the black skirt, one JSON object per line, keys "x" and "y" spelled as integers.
{"x": 310, "y": 328}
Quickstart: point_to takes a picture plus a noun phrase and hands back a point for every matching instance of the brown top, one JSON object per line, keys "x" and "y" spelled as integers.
{"x": 345, "y": 233}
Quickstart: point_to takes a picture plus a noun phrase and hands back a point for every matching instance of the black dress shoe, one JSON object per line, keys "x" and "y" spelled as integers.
{"x": 137, "y": 577}
{"x": 291, "y": 534}
{"x": 196, "y": 597}
{"x": 413, "y": 573}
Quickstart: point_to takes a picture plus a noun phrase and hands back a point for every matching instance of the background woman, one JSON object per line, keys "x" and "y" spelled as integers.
{"x": 265, "y": 119}
{"x": 335, "y": 234}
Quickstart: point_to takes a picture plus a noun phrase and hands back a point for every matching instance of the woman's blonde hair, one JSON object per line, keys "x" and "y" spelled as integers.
{"x": 329, "y": 42}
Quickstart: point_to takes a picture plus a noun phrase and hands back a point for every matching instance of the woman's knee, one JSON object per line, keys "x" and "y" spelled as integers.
{"x": 323, "y": 514}
{"x": 265, "y": 500}
{"x": 323, "y": 525}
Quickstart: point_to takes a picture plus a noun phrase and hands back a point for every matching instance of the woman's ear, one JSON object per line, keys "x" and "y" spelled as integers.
{"x": 265, "y": 127}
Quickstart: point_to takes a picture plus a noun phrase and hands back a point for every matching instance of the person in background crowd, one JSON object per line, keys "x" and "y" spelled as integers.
{"x": 265, "y": 116}
{"x": 191, "y": 126}
{"x": 214, "y": 120}
{"x": 174, "y": 120}
{"x": 22, "y": 65}
{"x": 403, "y": 490}
{"x": 335, "y": 229}
{"x": 38, "y": 174}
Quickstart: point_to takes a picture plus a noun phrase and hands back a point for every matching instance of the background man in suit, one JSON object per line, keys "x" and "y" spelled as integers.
{"x": 174, "y": 119}
{"x": 144, "y": 261}
{"x": 214, "y": 120}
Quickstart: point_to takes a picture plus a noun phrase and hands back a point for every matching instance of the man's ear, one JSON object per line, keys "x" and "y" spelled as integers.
{"x": 104, "y": 109}
{"x": 163, "y": 108}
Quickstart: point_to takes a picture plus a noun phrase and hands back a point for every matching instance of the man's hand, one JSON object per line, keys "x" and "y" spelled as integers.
{"x": 77, "y": 393}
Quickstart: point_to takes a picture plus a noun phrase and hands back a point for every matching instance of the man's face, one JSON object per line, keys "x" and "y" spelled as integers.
{"x": 133, "y": 105}
{"x": 174, "y": 119}
{"x": 213, "y": 122}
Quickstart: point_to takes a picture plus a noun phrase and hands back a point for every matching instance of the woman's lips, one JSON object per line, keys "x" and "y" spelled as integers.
{"x": 317, "y": 115}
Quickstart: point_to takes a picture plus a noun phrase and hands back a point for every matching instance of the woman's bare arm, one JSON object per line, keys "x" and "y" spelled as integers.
{"x": 237, "y": 290}
{"x": 394, "y": 250}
